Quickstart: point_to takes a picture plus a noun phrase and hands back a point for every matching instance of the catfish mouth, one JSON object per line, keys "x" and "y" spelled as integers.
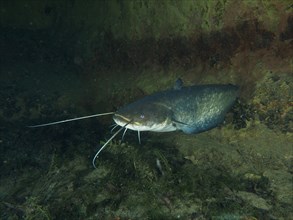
{"x": 121, "y": 120}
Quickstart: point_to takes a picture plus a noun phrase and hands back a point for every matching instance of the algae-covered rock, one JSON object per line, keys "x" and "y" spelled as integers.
{"x": 281, "y": 185}
{"x": 254, "y": 200}
{"x": 273, "y": 101}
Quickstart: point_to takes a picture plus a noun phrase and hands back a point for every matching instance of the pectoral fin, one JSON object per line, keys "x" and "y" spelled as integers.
{"x": 179, "y": 122}
{"x": 186, "y": 128}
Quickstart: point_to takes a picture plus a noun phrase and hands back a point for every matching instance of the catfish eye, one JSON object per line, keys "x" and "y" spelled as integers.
{"x": 141, "y": 116}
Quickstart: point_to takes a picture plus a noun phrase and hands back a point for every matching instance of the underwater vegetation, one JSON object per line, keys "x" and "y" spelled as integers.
{"x": 215, "y": 175}
{"x": 67, "y": 59}
{"x": 240, "y": 170}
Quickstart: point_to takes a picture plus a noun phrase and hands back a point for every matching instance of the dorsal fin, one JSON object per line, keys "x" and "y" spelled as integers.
{"x": 178, "y": 84}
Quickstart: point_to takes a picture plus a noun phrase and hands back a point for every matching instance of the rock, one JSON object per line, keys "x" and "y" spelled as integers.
{"x": 254, "y": 200}
{"x": 281, "y": 185}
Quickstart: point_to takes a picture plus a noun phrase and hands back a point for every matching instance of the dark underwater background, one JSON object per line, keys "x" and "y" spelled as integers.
{"x": 70, "y": 58}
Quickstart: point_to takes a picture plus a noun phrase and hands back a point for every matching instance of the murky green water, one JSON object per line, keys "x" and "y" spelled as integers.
{"x": 240, "y": 170}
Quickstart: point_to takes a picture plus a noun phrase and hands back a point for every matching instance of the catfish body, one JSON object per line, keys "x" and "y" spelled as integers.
{"x": 191, "y": 109}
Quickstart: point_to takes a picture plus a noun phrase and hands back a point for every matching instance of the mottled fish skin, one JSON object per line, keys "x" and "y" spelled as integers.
{"x": 191, "y": 109}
